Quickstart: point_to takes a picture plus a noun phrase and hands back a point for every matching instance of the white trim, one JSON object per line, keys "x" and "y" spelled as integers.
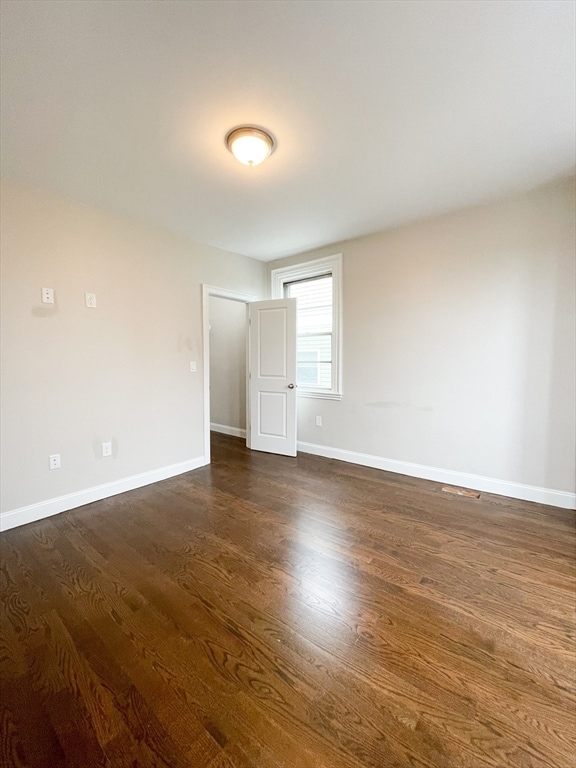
{"x": 223, "y": 429}
{"x": 302, "y": 271}
{"x": 51, "y": 507}
{"x": 222, "y": 293}
{"x": 563, "y": 499}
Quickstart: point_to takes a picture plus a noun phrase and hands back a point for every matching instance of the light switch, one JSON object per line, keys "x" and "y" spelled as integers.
{"x": 90, "y": 300}
{"x": 48, "y": 295}
{"x": 192, "y": 366}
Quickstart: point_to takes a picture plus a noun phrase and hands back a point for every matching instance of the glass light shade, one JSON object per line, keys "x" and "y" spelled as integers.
{"x": 250, "y": 146}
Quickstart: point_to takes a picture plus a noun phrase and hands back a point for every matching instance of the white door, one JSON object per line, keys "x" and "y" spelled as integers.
{"x": 271, "y": 419}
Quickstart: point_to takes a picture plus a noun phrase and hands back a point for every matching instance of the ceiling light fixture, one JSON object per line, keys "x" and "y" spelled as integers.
{"x": 250, "y": 145}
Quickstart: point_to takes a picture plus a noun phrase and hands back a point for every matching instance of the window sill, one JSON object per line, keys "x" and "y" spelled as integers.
{"x": 321, "y": 395}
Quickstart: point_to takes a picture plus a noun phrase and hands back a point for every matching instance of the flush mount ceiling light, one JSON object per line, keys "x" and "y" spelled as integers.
{"x": 250, "y": 145}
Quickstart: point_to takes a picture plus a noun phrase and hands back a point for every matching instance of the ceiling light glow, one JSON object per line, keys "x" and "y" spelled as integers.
{"x": 250, "y": 145}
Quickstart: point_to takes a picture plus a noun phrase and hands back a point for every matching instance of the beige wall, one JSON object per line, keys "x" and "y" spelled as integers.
{"x": 73, "y": 377}
{"x": 459, "y": 343}
{"x": 227, "y": 362}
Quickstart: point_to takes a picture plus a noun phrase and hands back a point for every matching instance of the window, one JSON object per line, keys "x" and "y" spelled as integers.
{"x": 308, "y": 368}
{"x": 316, "y": 286}
{"x": 314, "y": 330}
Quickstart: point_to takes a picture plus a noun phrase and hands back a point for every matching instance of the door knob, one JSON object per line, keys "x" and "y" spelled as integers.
{"x": 290, "y": 386}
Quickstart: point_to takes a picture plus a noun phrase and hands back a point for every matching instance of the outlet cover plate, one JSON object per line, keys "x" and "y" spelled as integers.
{"x": 54, "y": 461}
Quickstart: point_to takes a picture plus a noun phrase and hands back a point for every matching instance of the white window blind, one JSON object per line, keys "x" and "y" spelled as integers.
{"x": 317, "y": 287}
{"x": 314, "y": 330}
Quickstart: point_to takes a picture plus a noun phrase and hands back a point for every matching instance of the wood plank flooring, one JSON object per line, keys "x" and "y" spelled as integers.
{"x": 304, "y": 613}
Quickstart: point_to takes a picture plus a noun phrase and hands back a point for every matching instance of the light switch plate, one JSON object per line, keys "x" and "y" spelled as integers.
{"x": 192, "y": 366}
{"x": 90, "y": 300}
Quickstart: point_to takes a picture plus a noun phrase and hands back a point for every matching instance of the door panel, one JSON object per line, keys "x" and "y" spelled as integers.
{"x": 272, "y": 342}
{"x": 272, "y": 376}
{"x": 272, "y": 414}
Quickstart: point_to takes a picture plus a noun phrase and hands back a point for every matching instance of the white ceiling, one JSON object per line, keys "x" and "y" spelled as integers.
{"x": 384, "y": 112}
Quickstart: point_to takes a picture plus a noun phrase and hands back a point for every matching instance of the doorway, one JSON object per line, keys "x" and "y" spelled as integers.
{"x": 224, "y": 361}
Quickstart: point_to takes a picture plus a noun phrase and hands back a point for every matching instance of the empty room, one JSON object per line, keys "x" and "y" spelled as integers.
{"x": 288, "y": 403}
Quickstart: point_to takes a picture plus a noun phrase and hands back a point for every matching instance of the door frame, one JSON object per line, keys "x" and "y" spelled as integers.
{"x": 221, "y": 293}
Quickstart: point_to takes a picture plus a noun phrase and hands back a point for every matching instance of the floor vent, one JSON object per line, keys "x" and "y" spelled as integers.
{"x": 461, "y": 492}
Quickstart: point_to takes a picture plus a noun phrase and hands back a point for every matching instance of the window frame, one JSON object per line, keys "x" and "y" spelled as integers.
{"x": 328, "y": 265}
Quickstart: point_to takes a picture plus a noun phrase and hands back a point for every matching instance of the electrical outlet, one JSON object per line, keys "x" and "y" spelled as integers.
{"x": 54, "y": 461}
{"x": 106, "y": 449}
{"x": 90, "y": 300}
{"x": 48, "y": 295}
{"x": 318, "y": 421}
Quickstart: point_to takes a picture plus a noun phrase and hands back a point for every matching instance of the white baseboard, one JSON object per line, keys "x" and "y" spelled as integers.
{"x": 43, "y": 509}
{"x": 234, "y": 431}
{"x": 33, "y": 512}
{"x": 563, "y": 499}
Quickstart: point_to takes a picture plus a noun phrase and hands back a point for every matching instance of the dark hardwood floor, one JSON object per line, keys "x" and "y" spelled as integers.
{"x": 304, "y": 613}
